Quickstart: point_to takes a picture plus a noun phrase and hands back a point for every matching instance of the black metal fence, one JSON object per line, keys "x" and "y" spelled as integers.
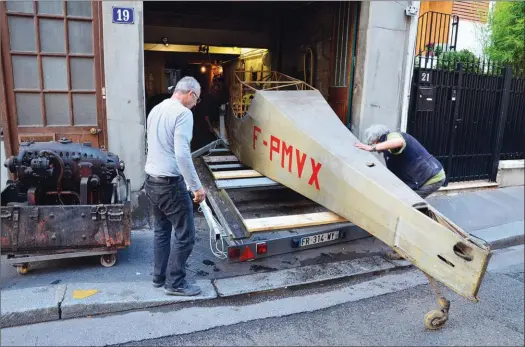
{"x": 514, "y": 133}
{"x": 468, "y": 114}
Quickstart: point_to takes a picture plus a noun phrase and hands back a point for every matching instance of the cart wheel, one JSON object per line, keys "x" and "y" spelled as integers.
{"x": 108, "y": 260}
{"x": 22, "y": 269}
{"x": 435, "y": 320}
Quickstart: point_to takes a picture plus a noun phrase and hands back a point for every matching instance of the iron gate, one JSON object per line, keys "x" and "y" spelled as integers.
{"x": 460, "y": 111}
{"x": 469, "y": 116}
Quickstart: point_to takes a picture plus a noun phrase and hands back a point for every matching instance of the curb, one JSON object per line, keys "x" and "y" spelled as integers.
{"x": 508, "y": 235}
{"x": 60, "y": 302}
{"x": 508, "y": 242}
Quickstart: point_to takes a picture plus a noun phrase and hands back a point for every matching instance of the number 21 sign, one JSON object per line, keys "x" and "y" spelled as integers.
{"x": 123, "y": 15}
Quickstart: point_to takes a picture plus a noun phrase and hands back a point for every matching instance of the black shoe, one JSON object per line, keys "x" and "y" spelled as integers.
{"x": 158, "y": 282}
{"x": 185, "y": 290}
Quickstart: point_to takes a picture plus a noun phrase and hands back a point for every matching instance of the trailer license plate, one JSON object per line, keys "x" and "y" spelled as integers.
{"x": 315, "y": 239}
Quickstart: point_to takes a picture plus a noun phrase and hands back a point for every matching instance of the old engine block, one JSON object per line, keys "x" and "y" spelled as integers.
{"x": 65, "y": 173}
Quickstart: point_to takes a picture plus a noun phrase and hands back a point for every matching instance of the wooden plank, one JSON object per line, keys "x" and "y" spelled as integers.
{"x": 246, "y": 183}
{"x": 293, "y": 221}
{"x": 222, "y": 175}
{"x": 220, "y": 159}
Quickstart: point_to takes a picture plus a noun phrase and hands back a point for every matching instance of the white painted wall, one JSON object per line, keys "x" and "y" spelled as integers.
{"x": 511, "y": 173}
{"x": 3, "y": 169}
{"x": 384, "y": 64}
{"x": 469, "y": 36}
{"x": 124, "y": 82}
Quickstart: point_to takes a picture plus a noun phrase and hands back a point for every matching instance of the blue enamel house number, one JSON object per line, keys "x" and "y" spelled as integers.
{"x": 123, "y": 15}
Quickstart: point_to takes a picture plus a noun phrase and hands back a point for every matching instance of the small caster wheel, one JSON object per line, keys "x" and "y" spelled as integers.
{"x": 22, "y": 269}
{"x": 435, "y": 320}
{"x": 108, "y": 260}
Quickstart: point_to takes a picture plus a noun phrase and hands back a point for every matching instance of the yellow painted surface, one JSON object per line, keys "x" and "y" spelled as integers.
{"x": 84, "y": 293}
{"x": 436, "y": 6}
{"x": 222, "y": 175}
{"x": 424, "y": 26}
{"x": 293, "y": 221}
{"x": 296, "y": 139}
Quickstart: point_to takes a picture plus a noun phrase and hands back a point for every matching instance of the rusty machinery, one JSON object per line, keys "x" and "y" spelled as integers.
{"x": 67, "y": 200}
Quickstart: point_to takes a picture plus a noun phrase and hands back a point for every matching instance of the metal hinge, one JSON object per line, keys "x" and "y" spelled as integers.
{"x": 115, "y": 216}
{"x": 103, "y": 92}
{"x": 34, "y": 213}
{"x": 99, "y": 210}
{"x": 5, "y": 214}
{"x": 112, "y": 215}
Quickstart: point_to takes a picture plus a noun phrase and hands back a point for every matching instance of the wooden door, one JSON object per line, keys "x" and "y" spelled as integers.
{"x": 338, "y": 99}
{"x": 52, "y": 72}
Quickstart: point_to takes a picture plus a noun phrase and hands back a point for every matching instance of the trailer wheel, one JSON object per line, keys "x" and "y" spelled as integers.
{"x": 22, "y": 269}
{"x": 435, "y": 320}
{"x": 108, "y": 260}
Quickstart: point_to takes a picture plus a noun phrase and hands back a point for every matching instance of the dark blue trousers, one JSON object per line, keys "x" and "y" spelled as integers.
{"x": 172, "y": 209}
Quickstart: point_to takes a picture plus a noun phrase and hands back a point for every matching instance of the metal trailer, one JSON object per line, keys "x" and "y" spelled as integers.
{"x": 234, "y": 204}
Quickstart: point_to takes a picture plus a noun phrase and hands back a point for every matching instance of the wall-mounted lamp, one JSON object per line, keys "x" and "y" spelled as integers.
{"x": 203, "y": 69}
{"x": 165, "y": 41}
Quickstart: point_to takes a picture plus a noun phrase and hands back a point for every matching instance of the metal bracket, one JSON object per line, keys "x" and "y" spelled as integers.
{"x": 84, "y": 190}
{"x": 6, "y": 214}
{"x": 34, "y": 213}
{"x": 16, "y": 215}
{"x": 102, "y": 211}
{"x": 115, "y": 216}
{"x": 106, "y": 233}
{"x": 99, "y": 210}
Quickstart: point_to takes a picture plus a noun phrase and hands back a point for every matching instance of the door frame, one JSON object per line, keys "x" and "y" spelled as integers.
{"x": 341, "y": 98}
{"x": 8, "y": 103}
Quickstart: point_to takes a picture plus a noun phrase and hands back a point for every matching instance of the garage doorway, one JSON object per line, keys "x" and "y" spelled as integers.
{"x": 311, "y": 41}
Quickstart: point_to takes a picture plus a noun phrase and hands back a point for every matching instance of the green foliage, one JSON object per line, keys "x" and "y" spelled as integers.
{"x": 449, "y": 60}
{"x": 462, "y": 56}
{"x": 507, "y": 37}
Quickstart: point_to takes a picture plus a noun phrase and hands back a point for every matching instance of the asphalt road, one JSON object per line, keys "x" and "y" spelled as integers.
{"x": 378, "y": 310}
{"x": 498, "y": 320}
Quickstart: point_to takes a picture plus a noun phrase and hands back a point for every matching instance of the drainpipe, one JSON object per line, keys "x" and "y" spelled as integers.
{"x": 352, "y": 68}
{"x": 409, "y": 65}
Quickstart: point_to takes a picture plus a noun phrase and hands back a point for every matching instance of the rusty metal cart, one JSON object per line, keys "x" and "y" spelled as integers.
{"x": 68, "y": 200}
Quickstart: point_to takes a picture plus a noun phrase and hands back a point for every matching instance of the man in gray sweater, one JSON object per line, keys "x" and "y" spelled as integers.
{"x": 169, "y": 173}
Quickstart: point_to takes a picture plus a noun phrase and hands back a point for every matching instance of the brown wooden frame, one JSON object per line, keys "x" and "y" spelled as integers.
{"x": 338, "y": 96}
{"x": 12, "y": 131}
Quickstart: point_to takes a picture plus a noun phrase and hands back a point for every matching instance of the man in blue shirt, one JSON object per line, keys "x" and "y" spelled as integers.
{"x": 407, "y": 159}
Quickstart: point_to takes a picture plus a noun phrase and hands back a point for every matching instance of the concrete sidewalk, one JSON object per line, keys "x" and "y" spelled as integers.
{"x": 79, "y": 288}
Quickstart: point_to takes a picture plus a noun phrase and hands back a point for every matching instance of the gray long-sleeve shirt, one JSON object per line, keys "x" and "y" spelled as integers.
{"x": 170, "y": 129}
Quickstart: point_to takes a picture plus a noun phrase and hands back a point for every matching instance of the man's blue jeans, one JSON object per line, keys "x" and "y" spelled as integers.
{"x": 172, "y": 208}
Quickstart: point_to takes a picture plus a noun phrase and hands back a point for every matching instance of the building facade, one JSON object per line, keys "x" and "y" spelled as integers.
{"x": 80, "y": 69}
